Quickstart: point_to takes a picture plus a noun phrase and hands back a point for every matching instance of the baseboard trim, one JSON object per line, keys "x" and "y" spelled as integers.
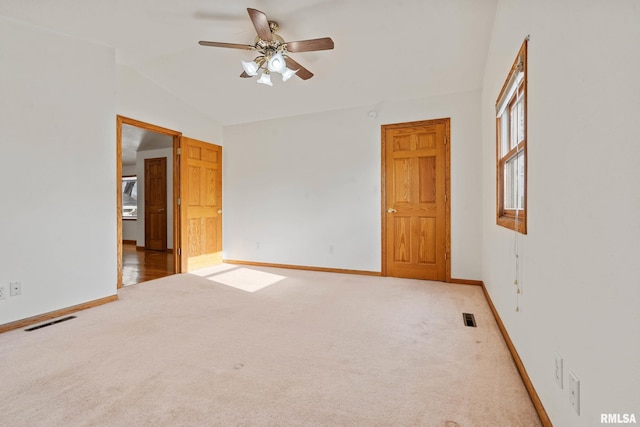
{"x": 303, "y": 267}
{"x": 466, "y": 282}
{"x": 143, "y": 248}
{"x": 57, "y": 313}
{"x": 535, "y": 399}
{"x": 337, "y": 270}
{"x": 129, "y": 242}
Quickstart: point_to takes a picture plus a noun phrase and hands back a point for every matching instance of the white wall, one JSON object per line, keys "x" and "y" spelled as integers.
{"x": 130, "y": 229}
{"x": 152, "y": 154}
{"x": 59, "y": 98}
{"x": 580, "y": 268}
{"x": 57, "y": 170}
{"x": 307, "y": 188}
{"x": 141, "y": 99}
{"x": 128, "y": 170}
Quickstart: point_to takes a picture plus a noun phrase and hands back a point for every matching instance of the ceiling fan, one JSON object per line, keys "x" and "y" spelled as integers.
{"x": 274, "y": 51}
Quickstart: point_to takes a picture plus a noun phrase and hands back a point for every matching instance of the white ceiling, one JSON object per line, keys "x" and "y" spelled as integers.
{"x": 136, "y": 139}
{"x": 384, "y": 49}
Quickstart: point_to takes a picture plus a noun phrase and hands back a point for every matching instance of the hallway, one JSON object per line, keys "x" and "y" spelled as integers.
{"x": 141, "y": 265}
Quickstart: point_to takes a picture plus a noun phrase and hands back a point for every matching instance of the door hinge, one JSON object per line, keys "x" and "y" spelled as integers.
{"x": 179, "y": 151}
{"x": 179, "y": 251}
{"x": 446, "y": 140}
{"x": 179, "y": 201}
{"x": 445, "y": 255}
{"x": 445, "y": 197}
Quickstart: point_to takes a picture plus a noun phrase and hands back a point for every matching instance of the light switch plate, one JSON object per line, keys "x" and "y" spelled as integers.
{"x": 558, "y": 370}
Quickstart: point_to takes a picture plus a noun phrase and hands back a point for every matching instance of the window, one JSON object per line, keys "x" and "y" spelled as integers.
{"x": 511, "y": 147}
{"x": 129, "y": 197}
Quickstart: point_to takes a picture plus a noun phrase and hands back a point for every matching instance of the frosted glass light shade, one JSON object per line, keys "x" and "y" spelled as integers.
{"x": 250, "y": 68}
{"x": 288, "y": 73}
{"x": 265, "y": 79}
{"x": 276, "y": 63}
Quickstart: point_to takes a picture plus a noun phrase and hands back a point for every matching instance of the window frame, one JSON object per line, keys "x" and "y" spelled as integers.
{"x": 514, "y": 219}
{"x": 126, "y": 217}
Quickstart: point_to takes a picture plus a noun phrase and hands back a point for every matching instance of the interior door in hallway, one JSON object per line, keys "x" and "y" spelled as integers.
{"x": 415, "y": 200}
{"x": 200, "y": 204}
{"x": 155, "y": 203}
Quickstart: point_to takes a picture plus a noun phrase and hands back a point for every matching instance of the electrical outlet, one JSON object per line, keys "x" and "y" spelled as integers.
{"x": 15, "y": 289}
{"x": 3, "y": 292}
{"x": 558, "y": 370}
{"x": 574, "y": 392}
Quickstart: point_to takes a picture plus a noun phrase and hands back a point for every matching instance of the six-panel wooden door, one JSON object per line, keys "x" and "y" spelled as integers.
{"x": 200, "y": 204}
{"x": 155, "y": 203}
{"x": 415, "y": 206}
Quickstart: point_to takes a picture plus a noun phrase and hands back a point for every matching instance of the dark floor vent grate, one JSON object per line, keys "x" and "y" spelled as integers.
{"x": 53, "y": 322}
{"x": 469, "y": 319}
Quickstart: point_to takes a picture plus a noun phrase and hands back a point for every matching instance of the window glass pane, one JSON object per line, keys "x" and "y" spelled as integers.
{"x": 129, "y": 197}
{"x": 517, "y": 123}
{"x": 520, "y": 119}
{"x": 513, "y": 134}
{"x": 514, "y": 182}
{"x": 520, "y": 198}
{"x": 504, "y": 135}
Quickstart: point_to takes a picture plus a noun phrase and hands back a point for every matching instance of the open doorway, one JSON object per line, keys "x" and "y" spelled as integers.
{"x": 146, "y": 232}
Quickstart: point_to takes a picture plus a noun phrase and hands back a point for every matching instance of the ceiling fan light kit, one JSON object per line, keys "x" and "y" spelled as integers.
{"x": 274, "y": 51}
{"x": 288, "y": 73}
{"x": 265, "y": 78}
{"x": 276, "y": 63}
{"x": 251, "y": 68}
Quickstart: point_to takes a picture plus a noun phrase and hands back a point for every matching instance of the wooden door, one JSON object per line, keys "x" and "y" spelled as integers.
{"x": 155, "y": 204}
{"x": 416, "y": 200}
{"x": 200, "y": 204}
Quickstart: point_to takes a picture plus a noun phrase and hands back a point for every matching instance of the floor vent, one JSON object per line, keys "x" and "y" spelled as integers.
{"x": 469, "y": 319}
{"x": 53, "y": 322}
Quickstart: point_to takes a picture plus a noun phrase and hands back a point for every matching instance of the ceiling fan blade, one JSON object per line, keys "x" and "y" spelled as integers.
{"x": 229, "y": 45}
{"x": 261, "y": 24}
{"x": 303, "y": 73}
{"x": 324, "y": 43}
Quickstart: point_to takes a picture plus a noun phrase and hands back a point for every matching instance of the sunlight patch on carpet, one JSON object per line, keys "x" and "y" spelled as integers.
{"x": 245, "y": 279}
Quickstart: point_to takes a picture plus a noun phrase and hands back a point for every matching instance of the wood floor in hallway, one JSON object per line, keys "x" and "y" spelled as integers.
{"x": 142, "y": 265}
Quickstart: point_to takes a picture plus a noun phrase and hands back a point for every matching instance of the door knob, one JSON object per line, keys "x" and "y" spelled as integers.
{"x": 219, "y": 211}
{"x": 161, "y": 210}
{"x": 391, "y": 210}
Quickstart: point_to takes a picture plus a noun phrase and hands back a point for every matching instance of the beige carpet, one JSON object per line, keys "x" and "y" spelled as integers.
{"x": 294, "y": 348}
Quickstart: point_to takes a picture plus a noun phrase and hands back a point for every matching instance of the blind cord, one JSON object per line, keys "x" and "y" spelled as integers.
{"x": 516, "y": 248}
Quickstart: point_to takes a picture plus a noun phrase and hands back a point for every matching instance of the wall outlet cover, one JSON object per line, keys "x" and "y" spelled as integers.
{"x": 574, "y": 392}
{"x": 15, "y": 289}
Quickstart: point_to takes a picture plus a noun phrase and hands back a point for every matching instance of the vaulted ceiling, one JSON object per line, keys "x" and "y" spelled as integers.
{"x": 384, "y": 49}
